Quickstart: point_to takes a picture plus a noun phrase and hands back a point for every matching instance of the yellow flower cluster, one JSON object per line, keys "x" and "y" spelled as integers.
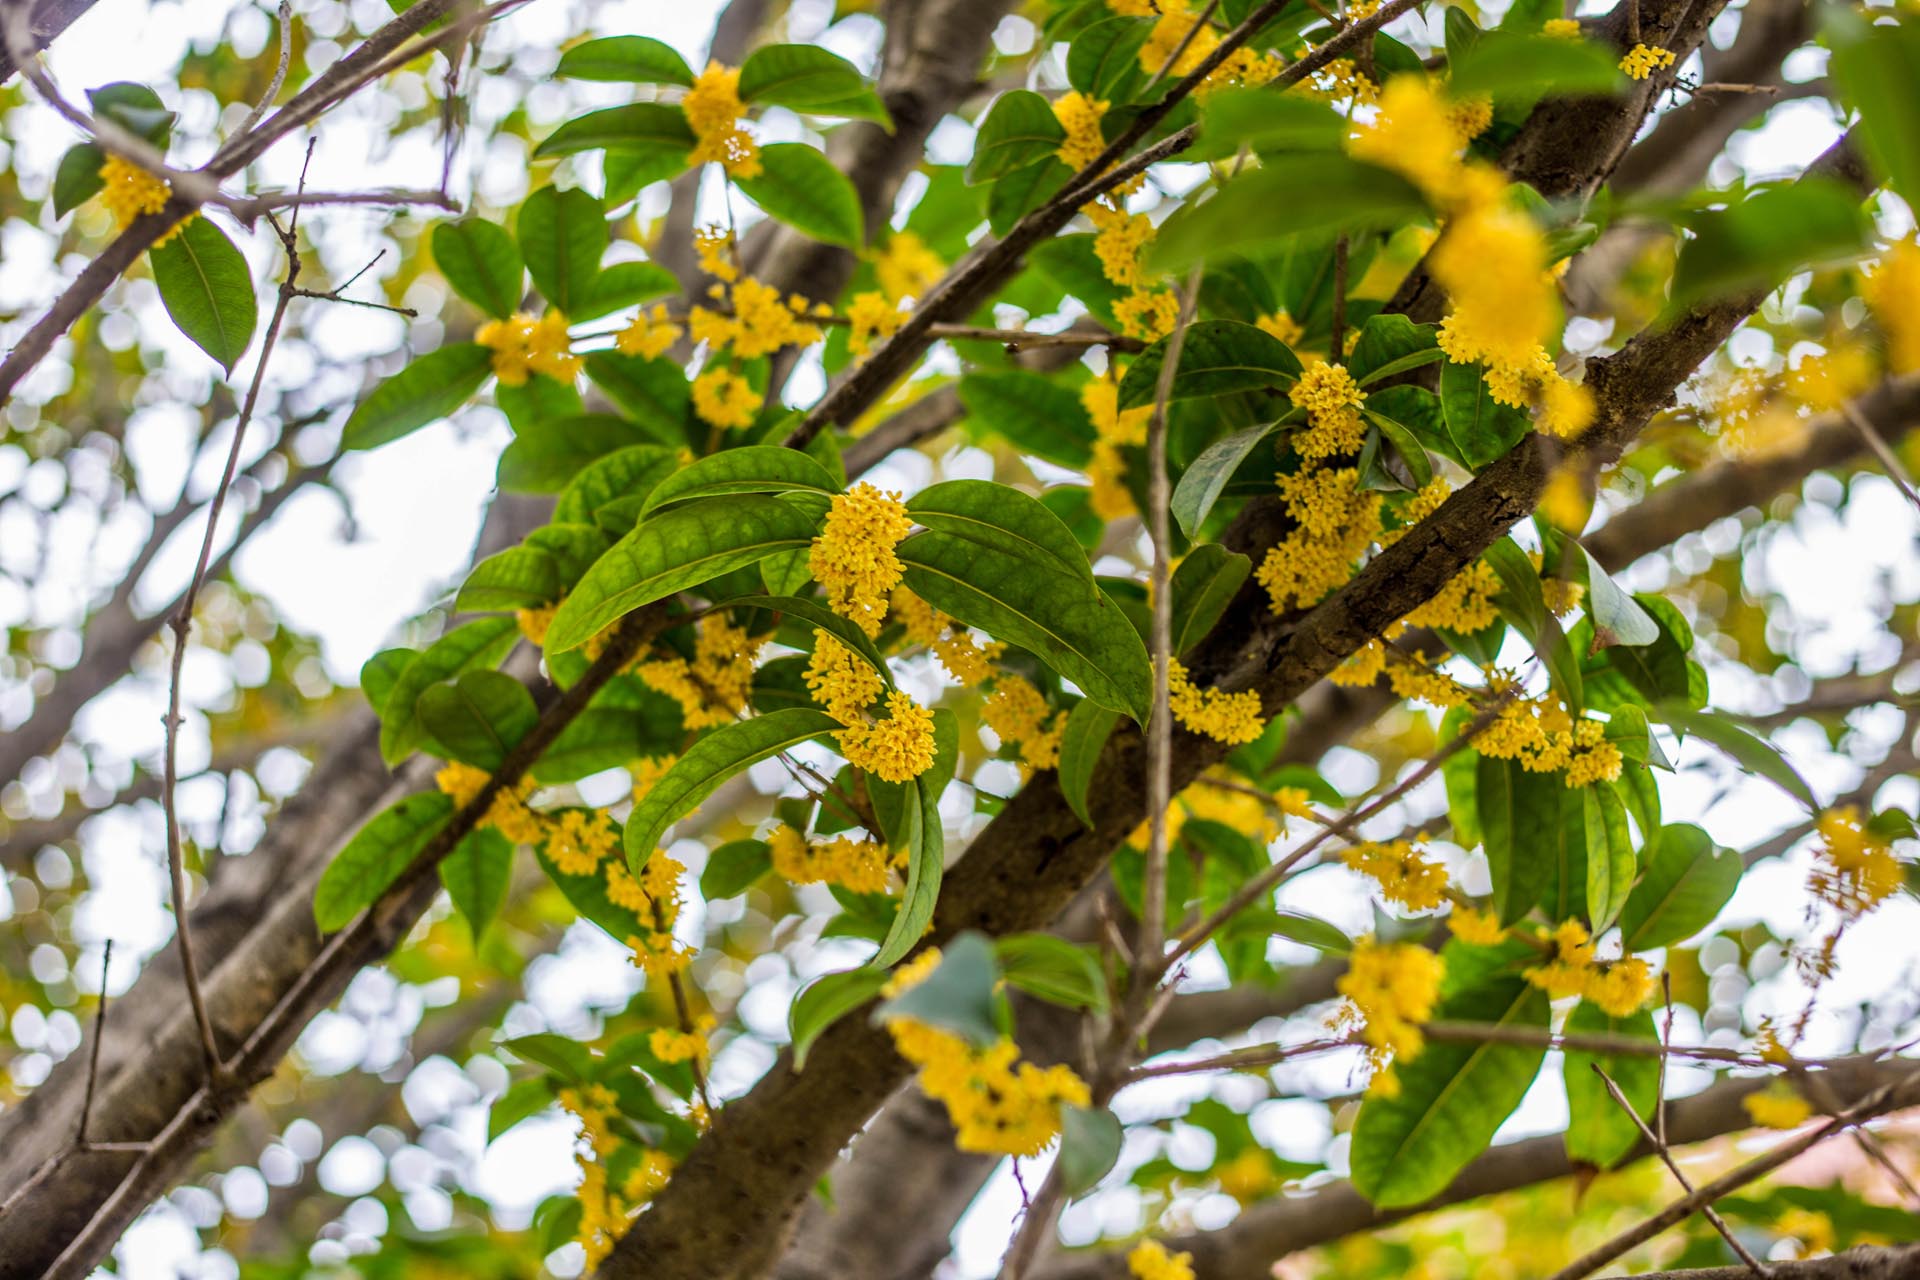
{"x": 713, "y": 108}
{"x": 1561, "y": 28}
{"x": 1465, "y": 604}
{"x": 1393, "y": 988}
{"x": 1150, "y": 1260}
{"x": 712, "y": 689}
{"x": 998, "y": 1104}
{"x": 1338, "y": 521}
{"x": 966, "y": 659}
{"x": 1118, "y": 241}
{"x": 1113, "y": 431}
{"x": 1825, "y": 380}
{"x": 896, "y": 748}
{"x": 756, "y": 321}
{"x": 1177, "y": 23}
{"x": 841, "y": 680}
{"x": 670, "y": 1044}
{"x": 579, "y": 840}
{"x": 724, "y": 399}
{"x": 1332, "y": 401}
{"x": 131, "y": 191}
{"x": 853, "y": 558}
{"x": 1643, "y": 60}
{"x": 1222, "y": 716}
{"x": 603, "y": 1215}
{"x": 859, "y": 865}
{"x": 715, "y": 246}
{"x": 1543, "y": 738}
{"x": 1080, "y": 116}
{"x": 1620, "y": 988}
{"x": 1020, "y": 717}
{"x": 1341, "y": 80}
{"x": 870, "y": 315}
{"x": 1893, "y": 291}
{"x": 1476, "y": 927}
{"x": 1283, "y": 326}
{"x": 907, "y": 268}
{"x": 1405, "y": 877}
{"x": 649, "y": 334}
{"x": 655, "y": 898}
{"x": 1855, "y": 870}
{"x": 533, "y": 623}
{"x": 523, "y": 346}
{"x": 1777, "y": 1107}
{"x": 507, "y": 812}
{"x": 1217, "y": 796}
{"x": 647, "y": 772}
{"x": 1147, "y": 314}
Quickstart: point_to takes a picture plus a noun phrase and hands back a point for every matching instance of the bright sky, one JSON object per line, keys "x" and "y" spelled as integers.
{"x": 414, "y": 508}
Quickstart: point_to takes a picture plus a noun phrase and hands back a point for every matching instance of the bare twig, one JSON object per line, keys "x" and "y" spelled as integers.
{"x": 1896, "y": 470}
{"x": 1336, "y": 346}
{"x": 1179, "y": 50}
{"x": 93, "y": 1055}
{"x": 279, "y": 72}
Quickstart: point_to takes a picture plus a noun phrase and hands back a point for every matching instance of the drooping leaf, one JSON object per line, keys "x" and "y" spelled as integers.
{"x": 825, "y": 1001}
{"x": 207, "y": 289}
{"x": 1688, "y": 880}
{"x": 1036, "y": 413}
{"x": 1311, "y": 931}
{"x": 480, "y": 643}
{"x": 1752, "y": 752}
{"x": 1218, "y": 357}
{"x": 1001, "y": 517}
{"x": 477, "y": 716}
{"x": 1611, "y": 864}
{"x": 428, "y": 389}
{"x": 651, "y": 134}
{"x": 481, "y": 262}
{"x": 77, "y": 178}
{"x": 562, "y": 237}
{"x": 1020, "y": 129}
{"x": 376, "y": 856}
{"x": 475, "y": 875}
{"x": 627, "y": 60}
{"x": 674, "y": 550}
{"x": 1204, "y": 584}
{"x": 708, "y": 763}
{"x": 1089, "y": 725}
{"x": 1090, "y": 1142}
{"x": 1599, "y": 1133}
{"x": 926, "y": 867}
{"x": 800, "y": 187}
{"x": 1481, "y": 429}
{"x": 1202, "y": 483}
{"x": 1519, "y": 820}
{"x": 733, "y": 867}
{"x": 806, "y": 77}
{"x": 1053, "y": 969}
{"x": 754, "y": 468}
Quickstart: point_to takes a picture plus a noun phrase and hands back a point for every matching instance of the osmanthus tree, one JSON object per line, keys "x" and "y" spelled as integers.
{"x": 1260, "y": 314}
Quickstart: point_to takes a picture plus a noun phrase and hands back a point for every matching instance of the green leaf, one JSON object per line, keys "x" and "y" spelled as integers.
{"x": 1406, "y": 445}
{"x": 134, "y": 107}
{"x": 1659, "y": 672}
{"x": 1265, "y": 122}
{"x": 1611, "y": 865}
{"x": 1090, "y": 1142}
{"x": 1480, "y": 428}
{"x": 376, "y": 856}
{"x": 1070, "y": 264}
{"x": 207, "y": 289}
{"x": 587, "y": 894}
{"x": 656, "y": 134}
{"x": 77, "y": 179}
{"x": 1261, "y": 208}
{"x": 654, "y": 393}
{"x": 672, "y": 551}
{"x": 602, "y": 738}
{"x": 1019, "y": 193}
{"x": 1460, "y": 774}
{"x": 711, "y": 761}
{"x": 1876, "y": 67}
{"x": 1035, "y": 413}
{"x": 569, "y": 1059}
{"x": 1020, "y": 129}
{"x": 825, "y": 1001}
{"x": 786, "y": 572}
{"x": 1392, "y": 344}
{"x": 817, "y": 615}
{"x": 1311, "y": 931}
{"x": 1453, "y": 1097}
{"x": 616, "y": 484}
{"x": 1004, "y": 518}
{"x": 1523, "y": 603}
{"x": 1053, "y": 969}
{"x": 958, "y": 996}
{"x": 1089, "y": 725}
{"x": 1206, "y": 478}
{"x": 1204, "y": 585}
{"x": 1767, "y": 237}
{"x": 1688, "y": 880}
{"x": 805, "y": 77}
{"x": 378, "y": 674}
{"x": 1752, "y": 752}
{"x": 926, "y": 866}
{"x": 544, "y": 456}
{"x": 621, "y": 285}
{"x": 1599, "y": 1133}
{"x": 481, "y": 262}
{"x": 626, "y": 59}
{"x": 476, "y": 874}
{"x": 428, "y": 389}
{"x": 562, "y": 236}
{"x": 1617, "y": 616}
{"x": 1063, "y": 619}
{"x": 1519, "y": 820}
{"x": 1103, "y": 62}
{"x": 480, "y": 643}
{"x": 477, "y": 716}
{"x": 1218, "y": 357}
{"x": 523, "y": 1100}
{"x": 733, "y": 867}
{"x": 1504, "y": 63}
{"x": 801, "y": 187}
{"x": 753, "y": 468}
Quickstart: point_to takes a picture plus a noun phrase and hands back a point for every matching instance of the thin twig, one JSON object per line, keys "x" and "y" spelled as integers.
{"x": 1173, "y": 59}
{"x": 279, "y": 72}
{"x": 1896, "y": 470}
{"x": 1337, "y": 344}
{"x": 93, "y": 1055}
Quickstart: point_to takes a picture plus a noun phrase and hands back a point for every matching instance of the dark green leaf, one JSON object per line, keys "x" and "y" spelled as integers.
{"x": 587, "y": 894}
{"x": 1001, "y": 517}
{"x": 733, "y": 867}
{"x": 807, "y": 78}
{"x": 1035, "y": 413}
{"x": 476, "y": 874}
{"x": 626, "y": 59}
{"x": 569, "y": 1059}
{"x": 1053, "y": 969}
{"x": 1599, "y": 1133}
{"x": 1020, "y": 129}
{"x": 522, "y": 1100}
{"x": 1090, "y": 1142}
{"x": 1877, "y": 67}
{"x": 1019, "y": 193}
{"x": 481, "y": 262}
{"x": 654, "y": 393}
{"x": 1218, "y": 357}
{"x": 825, "y": 1001}
{"x": 376, "y": 856}
{"x": 1391, "y": 344}
{"x": 802, "y": 188}
{"x": 926, "y": 866}
{"x": 1519, "y": 822}
{"x": 958, "y": 996}
{"x": 134, "y": 107}
{"x": 650, "y": 131}
{"x": 562, "y": 236}
{"x": 1611, "y": 865}
{"x": 753, "y": 468}
{"x": 1266, "y": 122}
{"x": 1481, "y": 429}
{"x": 1204, "y": 585}
{"x": 207, "y": 289}
{"x": 544, "y": 456}
{"x": 602, "y": 738}
{"x": 616, "y": 484}
{"x": 1103, "y": 62}
{"x": 1311, "y": 931}
{"x": 1687, "y": 882}
{"x": 1202, "y": 483}
{"x": 1089, "y": 725}
{"x": 478, "y": 716}
{"x": 480, "y": 643}
{"x": 77, "y": 179}
{"x": 623, "y": 285}
{"x": 1767, "y": 237}
{"x": 428, "y": 389}
{"x": 1263, "y": 207}
{"x": 379, "y": 673}
{"x": 1503, "y": 63}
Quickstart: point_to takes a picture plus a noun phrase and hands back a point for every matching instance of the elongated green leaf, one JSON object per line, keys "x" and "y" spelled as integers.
{"x": 1250, "y": 117}
{"x": 610, "y": 491}
{"x": 1204, "y": 585}
{"x": 825, "y": 1001}
{"x": 1508, "y": 63}
{"x": 1035, "y": 413}
{"x": 753, "y": 468}
{"x": 1876, "y": 67}
{"x": 654, "y": 133}
{"x": 569, "y": 1059}
{"x": 671, "y": 551}
{"x": 1562, "y": 851}
{"x": 475, "y": 875}
{"x": 926, "y": 866}
{"x": 523, "y": 1100}
{"x": 1310, "y": 931}
{"x": 1103, "y": 61}
{"x": 480, "y": 643}
{"x": 379, "y": 673}
{"x": 733, "y": 867}
{"x": 135, "y": 107}
{"x": 587, "y": 894}
{"x": 1206, "y": 479}
{"x": 1768, "y": 236}
{"x": 1617, "y": 616}
{"x": 1519, "y": 820}
{"x": 1090, "y": 1142}
{"x": 481, "y": 262}
{"x": 477, "y": 716}
{"x": 800, "y": 187}
{"x": 1073, "y": 628}
{"x": 1053, "y": 969}
{"x": 1392, "y": 344}
{"x": 428, "y": 389}
{"x": 1003, "y": 518}
{"x": 1218, "y": 357}
{"x": 1452, "y": 1098}
{"x": 1599, "y": 1133}
{"x": 1020, "y": 129}
{"x": 544, "y": 456}
{"x": 1089, "y": 725}
{"x": 1019, "y": 193}
{"x": 207, "y": 289}
{"x": 562, "y": 236}
{"x": 623, "y": 285}
{"x": 1522, "y": 602}
{"x": 77, "y": 179}
{"x": 376, "y": 856}
{"x": 517, "y": 578}
{"x": 1748, "y": 749}
{"x": 1482, "y": 429}
{"x": 806, "y": 77}
{"x": 1688, "y": 880}
{"x": 1315, "y": 191}
{"x": 654, "y": 393}
{"x": 708, "y": 763}
{"x": 626, "y": 59}
{"x": 1611, "y": 865}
